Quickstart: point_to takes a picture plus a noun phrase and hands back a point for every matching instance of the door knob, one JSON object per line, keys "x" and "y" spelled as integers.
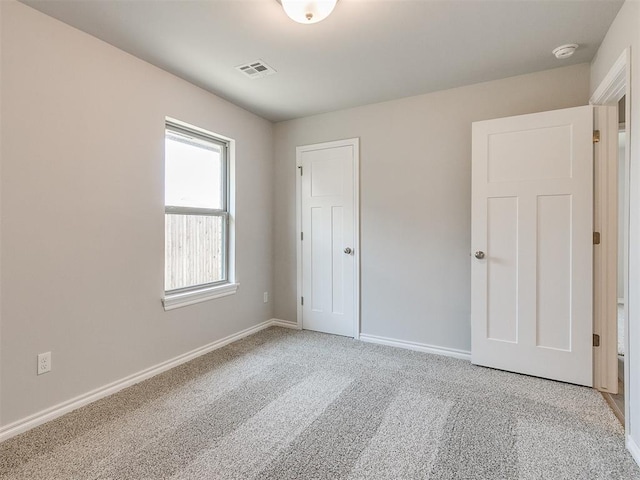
{"x": 479, "y": 255}
{"x": 348, "y": 251}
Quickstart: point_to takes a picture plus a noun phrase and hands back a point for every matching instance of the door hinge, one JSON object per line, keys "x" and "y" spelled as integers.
{"x": 301, "y": 300}
{"x": 596, "y": 238}
{"x": 596, "y": 340}
{"x": 300, "y": 167}
{"x": 596, "y": 136}
{"x": 301, "y": 236}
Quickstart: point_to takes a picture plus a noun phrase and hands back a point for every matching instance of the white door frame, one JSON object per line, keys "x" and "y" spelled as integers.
{"x": 355, "y": 144}
{"x": 616, "y": 84}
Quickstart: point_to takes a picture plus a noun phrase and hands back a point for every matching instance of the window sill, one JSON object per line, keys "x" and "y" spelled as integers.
{"x": 178, "y": 300}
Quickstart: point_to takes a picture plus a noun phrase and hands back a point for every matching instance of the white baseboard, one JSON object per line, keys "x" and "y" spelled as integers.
{"x": 420, "y": 347}
{"x": 56, "y": 411}
{"x": 632, "y": 446}
{"x": 276, "y": 322}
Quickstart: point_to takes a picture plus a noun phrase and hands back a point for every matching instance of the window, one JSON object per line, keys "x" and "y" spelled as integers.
{"x": 196, "y": 216}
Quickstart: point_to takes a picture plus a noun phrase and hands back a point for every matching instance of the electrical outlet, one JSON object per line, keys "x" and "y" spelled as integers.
{"x": 44, "y": 363}
{"x": 266, "y": 297}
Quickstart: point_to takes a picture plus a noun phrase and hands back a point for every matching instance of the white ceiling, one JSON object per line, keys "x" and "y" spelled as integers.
{"x": 367, "y": 51}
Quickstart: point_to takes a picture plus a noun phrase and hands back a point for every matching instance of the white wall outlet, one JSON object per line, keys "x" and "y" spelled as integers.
{"x": 44, "y": 363}
{"x": 266, "y": 297}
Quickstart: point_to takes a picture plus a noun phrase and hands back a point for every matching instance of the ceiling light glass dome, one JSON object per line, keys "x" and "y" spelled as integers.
{"x": 308, "y": 11}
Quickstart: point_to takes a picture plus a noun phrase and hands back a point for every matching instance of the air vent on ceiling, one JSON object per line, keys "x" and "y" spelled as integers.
{"x": 256, "y": 69}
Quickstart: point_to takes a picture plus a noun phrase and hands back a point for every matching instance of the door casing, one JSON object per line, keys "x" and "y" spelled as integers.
{"x": 355, "y": 144}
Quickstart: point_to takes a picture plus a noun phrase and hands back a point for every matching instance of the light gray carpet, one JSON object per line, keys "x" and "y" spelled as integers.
{"x": 284, "y": 405}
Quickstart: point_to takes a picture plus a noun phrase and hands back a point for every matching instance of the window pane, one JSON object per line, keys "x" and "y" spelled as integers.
{"x": 193, "y": 171}
{"x": 193, "y": 250}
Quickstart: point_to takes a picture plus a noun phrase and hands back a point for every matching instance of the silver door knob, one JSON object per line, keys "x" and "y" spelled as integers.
{"x": 348, "y": 251}
{"x": 479, "y": 255}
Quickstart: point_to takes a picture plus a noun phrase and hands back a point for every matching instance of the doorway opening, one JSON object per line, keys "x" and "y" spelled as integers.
{"x": 611, "y": 288}
{"x": 617, "y": 400}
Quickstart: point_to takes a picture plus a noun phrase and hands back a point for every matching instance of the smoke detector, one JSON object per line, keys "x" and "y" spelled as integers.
{"x": 256, "y": 69}
{"x": 565, "y": 51}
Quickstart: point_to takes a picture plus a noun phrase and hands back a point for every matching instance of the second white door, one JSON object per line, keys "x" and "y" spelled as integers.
{"x": 532, "y": 216}
{"x": 328, "y": 248}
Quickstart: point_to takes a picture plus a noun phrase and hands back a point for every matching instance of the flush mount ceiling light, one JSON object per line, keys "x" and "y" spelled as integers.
{"x": 308, "y": 11}
{"x": 565, "y": 51}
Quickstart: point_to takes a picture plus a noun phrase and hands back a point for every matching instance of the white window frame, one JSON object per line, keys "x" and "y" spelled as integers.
{"x": 228, "y": 286}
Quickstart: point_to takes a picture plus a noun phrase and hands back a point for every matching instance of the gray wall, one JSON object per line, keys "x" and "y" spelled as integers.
{"x": 415, "y": 199}
{"x": 82, "y": 248}
{"x": 625, "y": 32}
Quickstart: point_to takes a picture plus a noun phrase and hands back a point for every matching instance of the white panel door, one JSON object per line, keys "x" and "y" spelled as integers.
{"x": 328, "y": 240}
{"x": 532, "y": 217}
